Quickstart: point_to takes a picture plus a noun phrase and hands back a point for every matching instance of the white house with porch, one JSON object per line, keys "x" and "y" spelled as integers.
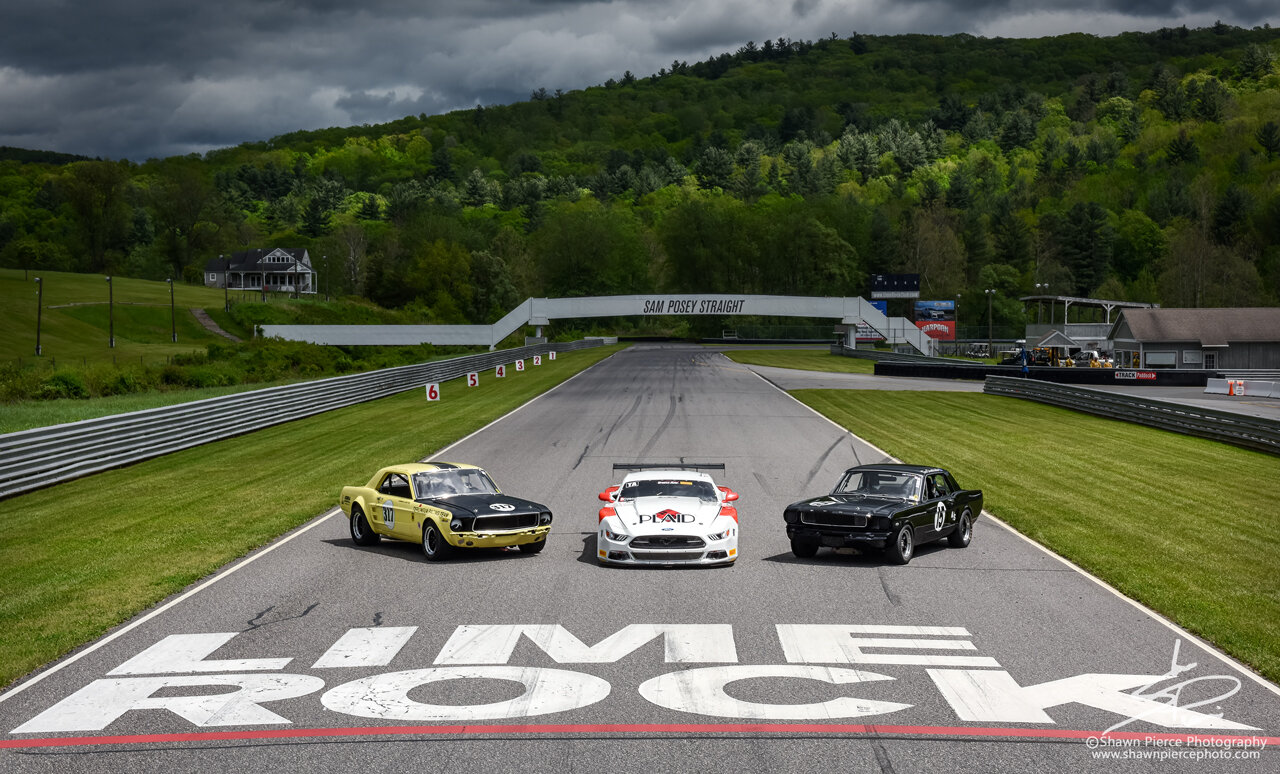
{"x": 283, "y": 270}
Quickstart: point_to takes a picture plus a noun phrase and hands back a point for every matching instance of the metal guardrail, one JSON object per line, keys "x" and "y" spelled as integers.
{"x": 30, "y": 459}
{"x": 1238, "y": 429}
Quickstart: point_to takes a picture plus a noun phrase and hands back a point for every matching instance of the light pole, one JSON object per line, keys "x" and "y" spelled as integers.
{"x": 173, "y": 317}
{"x": 39, "y": 307}
{"x": 990, "y": 295}
{"x": 111, "y": 313}
{"x": 1041, "y": 287}
{"x": 326, "y": 271}
{"x": 955, "y": 321}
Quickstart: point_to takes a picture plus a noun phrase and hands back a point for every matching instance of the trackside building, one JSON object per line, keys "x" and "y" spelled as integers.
{"x": 1209, "y": 339}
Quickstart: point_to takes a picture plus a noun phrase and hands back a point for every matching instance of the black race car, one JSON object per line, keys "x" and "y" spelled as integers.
{"x": 888, "y": 507}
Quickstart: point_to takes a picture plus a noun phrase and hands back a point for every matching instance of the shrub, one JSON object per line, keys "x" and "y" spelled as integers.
{"x": 62, "y": 383}
{"x": 110, "y": 380}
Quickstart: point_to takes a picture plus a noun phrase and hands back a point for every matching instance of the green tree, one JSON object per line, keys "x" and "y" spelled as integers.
{"x": 1268, "y": 136}
{"x": 98, "y": 192}
{"x": 586, "y": 248}
{"x": 1085, "y": 245}
{"x": 1182, "y": 149}
{"x": 714, "y": 168}
{"x": 1139, "y": 244}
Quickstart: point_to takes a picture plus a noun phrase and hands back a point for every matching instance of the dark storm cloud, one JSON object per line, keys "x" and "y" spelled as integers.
{"x": 143, "y": 78}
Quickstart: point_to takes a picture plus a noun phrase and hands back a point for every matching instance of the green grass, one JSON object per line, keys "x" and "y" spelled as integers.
{"x": 1187, "y": 526}
{"x": 801, "y": 359}
{"x": 84, "y": 556}
{"x": 25, "y": 415}
{"x": 74, "y": 320}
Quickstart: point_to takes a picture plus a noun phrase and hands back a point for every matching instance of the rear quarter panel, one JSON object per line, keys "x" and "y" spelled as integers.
{"x": 355, "y": 495}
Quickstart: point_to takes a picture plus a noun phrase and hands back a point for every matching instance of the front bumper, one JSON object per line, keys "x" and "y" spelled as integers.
{"x": 497, "y": 539}
{"x": 714, "y": 552}
{"x": 840, "y": 537}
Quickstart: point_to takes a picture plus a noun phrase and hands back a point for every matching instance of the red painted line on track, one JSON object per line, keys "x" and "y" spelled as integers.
{"x": 645, "y": 728}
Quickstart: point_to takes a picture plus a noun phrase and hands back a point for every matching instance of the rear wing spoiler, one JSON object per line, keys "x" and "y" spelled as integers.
{"x": 668, "y": 466}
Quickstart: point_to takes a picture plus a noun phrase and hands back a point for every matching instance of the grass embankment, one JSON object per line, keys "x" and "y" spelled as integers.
{"x": 1187, "y": 526}
{"x": 79, "y": 558}
{"x": 78, "y": 364}
{"x": 74, "y": 324}
{"x": 802, "y": 359}
{"x": 25, "y": 415}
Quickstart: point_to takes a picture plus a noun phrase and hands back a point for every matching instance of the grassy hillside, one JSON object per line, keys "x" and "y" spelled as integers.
{"x": 77, "y": 362}
{"x": 74, "y": 321}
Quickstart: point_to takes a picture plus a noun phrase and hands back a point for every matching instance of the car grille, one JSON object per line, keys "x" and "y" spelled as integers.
{"x": 506, "y": 522}
{"x": 834, "y": 519}
{"x": 667, "y": 556}
{"x": 661, "y": 542}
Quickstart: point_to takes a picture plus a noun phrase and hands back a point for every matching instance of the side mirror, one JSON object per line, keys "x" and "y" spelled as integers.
{"x": 609, "y": 494}
{"x": 729, "y": 494}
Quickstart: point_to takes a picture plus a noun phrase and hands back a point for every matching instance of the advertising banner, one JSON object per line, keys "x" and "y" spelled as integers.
{"x": 866, "y": 332}
{"x": 936, "y": 318}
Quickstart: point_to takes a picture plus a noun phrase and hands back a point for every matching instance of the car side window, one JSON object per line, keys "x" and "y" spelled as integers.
{"x": 938, "y": 486}
{"x": 395, "y": 485}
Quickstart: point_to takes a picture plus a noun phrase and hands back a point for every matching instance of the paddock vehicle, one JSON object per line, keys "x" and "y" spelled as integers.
{"x": 667, "y": 515}
{"x": 893, "y": 508}
{"x": 444, "y": 506}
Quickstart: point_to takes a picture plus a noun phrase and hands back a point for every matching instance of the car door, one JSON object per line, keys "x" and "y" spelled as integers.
{"x": 393, "y": 515}
{"x": 916, "y": 508}
{"x": 941, "y": 499}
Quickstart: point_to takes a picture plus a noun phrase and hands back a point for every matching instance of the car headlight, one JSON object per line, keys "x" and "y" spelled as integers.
{"x": 616, "y": 537}
{"x": 791, "y": 517}
{"x": 720, "y": 535}
{"x": 456, "y": 525}
{"x": 545, "y": 518}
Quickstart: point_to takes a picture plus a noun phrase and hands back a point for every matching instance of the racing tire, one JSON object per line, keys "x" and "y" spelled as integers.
{"x": 963, "y": 533}
{"x": 361, "y": 533}
{"x": 804, "y": 547}
{"x": 902, "y": 546}
{"x": 434, "y": 547}
{"x": 533, "y": 548}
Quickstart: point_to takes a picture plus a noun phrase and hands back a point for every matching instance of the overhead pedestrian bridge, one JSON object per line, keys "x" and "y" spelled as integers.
{"x": 540, "y": 312}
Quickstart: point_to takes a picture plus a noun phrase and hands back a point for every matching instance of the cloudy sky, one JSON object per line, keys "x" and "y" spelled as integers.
{"x": 139, "y": 79}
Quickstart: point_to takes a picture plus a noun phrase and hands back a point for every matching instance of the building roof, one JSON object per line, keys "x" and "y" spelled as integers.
{"x": 1055, "y": 338}
{"x": 1210, "y": 327}
{"x": 275, "y": 259}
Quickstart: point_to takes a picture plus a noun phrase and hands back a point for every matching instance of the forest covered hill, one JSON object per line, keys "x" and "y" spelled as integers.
{"x": 1144, "y": 166}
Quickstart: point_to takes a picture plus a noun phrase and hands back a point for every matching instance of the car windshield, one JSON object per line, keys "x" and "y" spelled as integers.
{"x": 445, "y": 483}
{"x": 880, "y": 483}
{"x": 668, "y": 487}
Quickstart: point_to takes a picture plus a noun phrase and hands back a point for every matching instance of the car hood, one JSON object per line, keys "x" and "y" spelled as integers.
{"x": 656, "y": 515}
{"x": 485, "y": 504}
{"x": 852, "y": 505}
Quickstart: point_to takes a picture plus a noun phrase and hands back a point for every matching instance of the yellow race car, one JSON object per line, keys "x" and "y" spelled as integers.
{"x": 444, "y": 506}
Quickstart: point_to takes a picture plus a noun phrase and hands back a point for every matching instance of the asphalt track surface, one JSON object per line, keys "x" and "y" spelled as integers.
{"x": 959, "y": 685}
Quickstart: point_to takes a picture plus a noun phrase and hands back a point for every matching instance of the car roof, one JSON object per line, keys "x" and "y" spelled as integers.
{"x": 663, "y": 474}
{"x": 898, "y": 468}
{"x": 413, "y": 468}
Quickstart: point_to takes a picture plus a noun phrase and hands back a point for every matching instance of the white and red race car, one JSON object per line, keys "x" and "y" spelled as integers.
{"x": 665, "y": 515}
